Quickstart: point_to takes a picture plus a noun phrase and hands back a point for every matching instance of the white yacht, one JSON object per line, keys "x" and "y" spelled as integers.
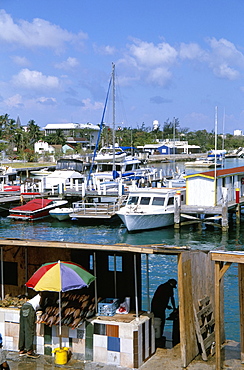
{"x": 110, "y": 153}
{"x": 150, "y": 208}
{"x": 129, "y": 168}
{"x": 203, "y": 163}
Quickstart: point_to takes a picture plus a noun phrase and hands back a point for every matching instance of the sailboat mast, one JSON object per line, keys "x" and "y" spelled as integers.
{"x": 215, "y": 164}
{"x": 113, "y": 84}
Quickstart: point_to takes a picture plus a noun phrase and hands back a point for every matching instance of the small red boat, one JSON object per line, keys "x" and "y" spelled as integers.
{"x": 35, "y": 209}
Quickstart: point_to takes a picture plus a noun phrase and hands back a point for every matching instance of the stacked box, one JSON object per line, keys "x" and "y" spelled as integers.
{"x": 108, "y": 307}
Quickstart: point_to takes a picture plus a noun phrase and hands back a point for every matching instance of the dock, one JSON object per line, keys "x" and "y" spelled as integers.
{"x": 210, "y": 215}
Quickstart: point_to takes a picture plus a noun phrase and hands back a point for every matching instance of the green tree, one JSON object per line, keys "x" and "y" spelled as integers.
{"x": 57, "y": 138}
{"x": 34, "y": 132}
{"x": 171, "y": 128}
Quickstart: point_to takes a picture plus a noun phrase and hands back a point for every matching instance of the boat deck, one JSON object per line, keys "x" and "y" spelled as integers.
{"x": 95, "y": 210}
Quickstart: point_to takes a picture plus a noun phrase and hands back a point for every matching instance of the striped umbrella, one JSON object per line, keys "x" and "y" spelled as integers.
{"x": 60, "y": 277}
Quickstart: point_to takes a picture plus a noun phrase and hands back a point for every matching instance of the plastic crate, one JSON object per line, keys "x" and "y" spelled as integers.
{"x": 108, "y": 307}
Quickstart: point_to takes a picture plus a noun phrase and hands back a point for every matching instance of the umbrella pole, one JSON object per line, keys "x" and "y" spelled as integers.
{"x": 136, "y": 292}
{"x": 60, "y": 316}
{"x": 115, "y": 277}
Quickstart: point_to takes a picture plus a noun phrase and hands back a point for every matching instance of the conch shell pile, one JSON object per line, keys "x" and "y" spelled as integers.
{"x": 10, "y": 301}
{"x": 75, "y": 309}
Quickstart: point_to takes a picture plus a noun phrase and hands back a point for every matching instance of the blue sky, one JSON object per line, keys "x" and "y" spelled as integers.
{"x": 172, "y": 59}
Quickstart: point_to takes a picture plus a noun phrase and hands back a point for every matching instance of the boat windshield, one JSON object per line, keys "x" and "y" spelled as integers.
{"x": 170, "y": 201}
{"x": 145, "y": 201}
{"x": 132, "y": 200}
{"x": 158, "y": 201}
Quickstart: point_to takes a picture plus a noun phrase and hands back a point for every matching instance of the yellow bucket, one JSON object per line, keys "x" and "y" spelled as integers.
{"x": 61, "y": 355}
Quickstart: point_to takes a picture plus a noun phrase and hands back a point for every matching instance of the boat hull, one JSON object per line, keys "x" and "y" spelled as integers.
{"x": 30, "y": 216}
{"x": 199, "y": 164}
{"x": 61, "y": 214}
{"x": 136, "y": 222}
{"x": 35, "y": 209}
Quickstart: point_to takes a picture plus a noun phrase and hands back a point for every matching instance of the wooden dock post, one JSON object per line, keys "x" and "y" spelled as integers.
{"x": 238, "y": 207}
{"x": 177, "y": 210}
{"x": 241, "y": 305}
{"x": 225, "y": 224}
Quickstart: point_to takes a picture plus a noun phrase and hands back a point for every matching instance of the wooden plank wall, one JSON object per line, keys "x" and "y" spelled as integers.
{"x": 196, "y": 280}
{"x": 241, "y": 303}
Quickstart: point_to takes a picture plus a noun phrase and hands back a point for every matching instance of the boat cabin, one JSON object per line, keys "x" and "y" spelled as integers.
{"x": 71, "y": 164}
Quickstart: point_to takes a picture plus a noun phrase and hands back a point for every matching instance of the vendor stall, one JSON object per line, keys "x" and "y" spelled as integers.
{"x": 120, "y": 339}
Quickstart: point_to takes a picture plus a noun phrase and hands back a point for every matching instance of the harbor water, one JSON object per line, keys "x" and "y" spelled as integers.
{"x": 161, "y": 268}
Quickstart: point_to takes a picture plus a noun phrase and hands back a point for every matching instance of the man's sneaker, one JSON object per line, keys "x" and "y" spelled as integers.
{"x": 22, "y": 353}
{"x": 32, "y": 355}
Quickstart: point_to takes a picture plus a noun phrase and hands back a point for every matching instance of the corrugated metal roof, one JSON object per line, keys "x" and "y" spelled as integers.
{"x": 219, "y": 173}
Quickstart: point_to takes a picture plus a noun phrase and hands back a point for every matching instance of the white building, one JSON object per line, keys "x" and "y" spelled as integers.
{"x": 69, "y": 129}
{"x": 41, "y": 147}
{"x": 238, "y": 133}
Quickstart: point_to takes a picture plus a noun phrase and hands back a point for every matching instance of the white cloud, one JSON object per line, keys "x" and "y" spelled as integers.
{"x": 68, "y": 64}
{"x": 159, "y": 76}
{"x": 87, "y": 105}
{"x": 225, "y": 60}
{"x": 145, "y": 61}
{"x": 21, "y": 61}
{"x": 38, "y": 33}
{"x": 14, "y": 101}
{"x": 46, "y": 101}
{"x": 225, "y": 71}
{"x": 104, "y": 49}
{"x": 191, "y": 51}
{"x": 150, "y": 55}
{"x": 35, "y": 80}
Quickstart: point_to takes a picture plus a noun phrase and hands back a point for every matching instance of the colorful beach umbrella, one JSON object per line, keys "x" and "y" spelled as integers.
{"x": 60, "y": 276}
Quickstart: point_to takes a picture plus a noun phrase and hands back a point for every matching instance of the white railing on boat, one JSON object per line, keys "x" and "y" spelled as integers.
{"x": 95, "y": 208}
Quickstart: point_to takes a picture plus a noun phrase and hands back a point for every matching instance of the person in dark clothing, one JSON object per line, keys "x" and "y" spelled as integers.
{"x": 3, "y": 362}
{"x": 163, "y": 294}
{"x": 28, "y": 326}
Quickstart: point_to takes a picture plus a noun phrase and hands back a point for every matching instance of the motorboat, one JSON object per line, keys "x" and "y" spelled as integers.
{"x": 40, "y": 173}
{"x": 110, "y": 153}
{"x": 66, "y": 179}
{"x": 72, "y": 164}
{"x": 176, "y": 181}
{"x": 61, "y": 213}
{"x": 35, "y": 209}
{"x": 150, "y": 208}
{"x": 130, "y": 168}
{"x": 9, "y": 179}
{"x": 208, "y": 162}
{"x": 98, "y": 209}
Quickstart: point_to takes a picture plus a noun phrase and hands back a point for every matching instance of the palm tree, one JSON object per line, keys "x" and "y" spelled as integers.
{"x": 34, "y": 132}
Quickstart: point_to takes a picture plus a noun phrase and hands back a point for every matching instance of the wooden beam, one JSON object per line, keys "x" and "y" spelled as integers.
{"x": 234, "y": 257}
{"x": 217, "y": 316}
{"x": 241, "y": 304}
{"x": 224, "y": 269}
{"x": 120, "y": 247}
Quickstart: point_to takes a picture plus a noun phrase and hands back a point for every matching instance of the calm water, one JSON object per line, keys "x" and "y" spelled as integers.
{"x": 205, "y": 239}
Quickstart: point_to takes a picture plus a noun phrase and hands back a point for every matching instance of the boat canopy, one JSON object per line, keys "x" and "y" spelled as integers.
{"x": 33, "y": 205}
